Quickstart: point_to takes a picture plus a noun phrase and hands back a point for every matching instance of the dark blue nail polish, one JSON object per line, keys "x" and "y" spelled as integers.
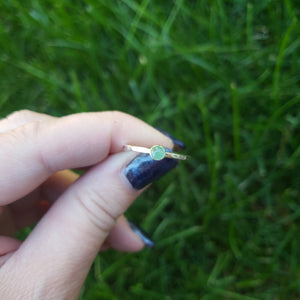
{"x": 177, "y": 143}
{"x": 143, "y": 170}
{"x": 142, "y": 235}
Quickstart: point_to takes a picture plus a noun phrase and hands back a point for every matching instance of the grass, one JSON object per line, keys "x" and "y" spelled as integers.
{"x": 221, "y": 75}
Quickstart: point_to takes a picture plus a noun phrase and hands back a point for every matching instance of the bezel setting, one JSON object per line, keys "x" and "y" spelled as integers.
{"x": 157, "y": 152}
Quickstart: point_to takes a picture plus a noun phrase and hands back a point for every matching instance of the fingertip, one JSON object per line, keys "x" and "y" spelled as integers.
{"x": 123, "y": 238}
{"x": 144, "y": 236}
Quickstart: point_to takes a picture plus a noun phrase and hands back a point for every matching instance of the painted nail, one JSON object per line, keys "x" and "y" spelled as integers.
{"x": 143, "y": 170}
{"x": 144, "y": 236}
{"x": 178, "y": 144}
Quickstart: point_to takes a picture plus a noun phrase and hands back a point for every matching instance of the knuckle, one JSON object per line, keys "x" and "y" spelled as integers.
{"x": 27, "y": 134}
{"x": 19, "y": 115}
{"x": 28, "y": 131}
{"x": 117, "y": 116}
{"x": 16, "y": 120}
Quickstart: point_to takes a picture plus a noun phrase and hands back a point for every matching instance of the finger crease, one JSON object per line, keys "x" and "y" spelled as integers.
{"x": 94, "y": 209}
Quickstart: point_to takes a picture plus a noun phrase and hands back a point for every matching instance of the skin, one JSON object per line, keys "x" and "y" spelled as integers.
{"x": 77, "y": 216}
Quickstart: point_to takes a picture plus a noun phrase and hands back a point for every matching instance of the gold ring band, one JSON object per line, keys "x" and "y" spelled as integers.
{"x": 156, "y": 152}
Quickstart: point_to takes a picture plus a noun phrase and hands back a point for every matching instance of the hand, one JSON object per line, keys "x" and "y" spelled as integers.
{"x": 78, "y": 216}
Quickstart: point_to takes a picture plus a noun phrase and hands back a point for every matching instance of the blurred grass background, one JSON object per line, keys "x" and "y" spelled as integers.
{"x": 223, "y": 76}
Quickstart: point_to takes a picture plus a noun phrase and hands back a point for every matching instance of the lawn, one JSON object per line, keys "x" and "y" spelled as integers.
{"x": 223, "y": 76}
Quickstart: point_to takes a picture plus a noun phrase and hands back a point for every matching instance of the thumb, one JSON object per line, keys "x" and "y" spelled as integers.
{"x": 55, "y": 259}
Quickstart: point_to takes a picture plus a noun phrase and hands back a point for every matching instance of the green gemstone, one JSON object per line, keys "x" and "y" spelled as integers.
{"x": 157, "y": 152}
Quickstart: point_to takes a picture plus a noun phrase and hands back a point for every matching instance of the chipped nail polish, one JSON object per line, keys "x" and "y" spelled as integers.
{"x": 143, "y": 170}
{"x": 178, "y": 144}
{"x": 149, "y": 243}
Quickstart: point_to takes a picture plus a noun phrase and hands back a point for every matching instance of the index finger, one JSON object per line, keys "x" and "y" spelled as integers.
{"x": 31, "y": 153}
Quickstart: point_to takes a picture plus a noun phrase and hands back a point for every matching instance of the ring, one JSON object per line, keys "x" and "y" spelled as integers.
{"x": 156, "y": 152}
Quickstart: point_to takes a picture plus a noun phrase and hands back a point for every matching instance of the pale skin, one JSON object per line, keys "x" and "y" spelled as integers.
{"x": 77, "y": 216}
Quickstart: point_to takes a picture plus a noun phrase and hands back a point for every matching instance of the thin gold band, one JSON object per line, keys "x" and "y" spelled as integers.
{"x": 156, "y": 152}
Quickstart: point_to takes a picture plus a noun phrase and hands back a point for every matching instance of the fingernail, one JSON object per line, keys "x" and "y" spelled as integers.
{"x": 143, "y": 170}
{"x": 178, "y": 144}
{"x": 149, "y": 243}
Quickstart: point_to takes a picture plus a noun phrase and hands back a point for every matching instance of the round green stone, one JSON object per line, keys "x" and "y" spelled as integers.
{"x": 157, "y": 152}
